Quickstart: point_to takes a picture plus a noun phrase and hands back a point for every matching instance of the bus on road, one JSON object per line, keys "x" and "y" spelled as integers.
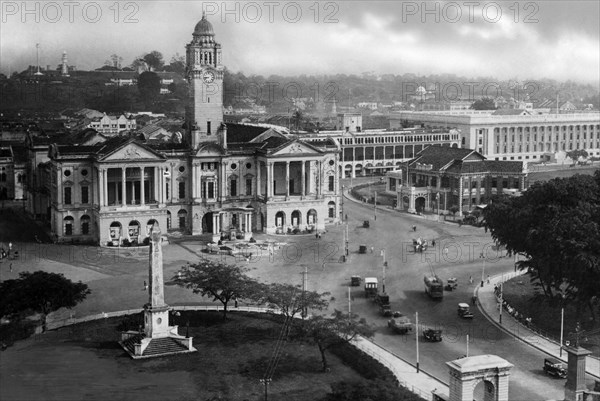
{"x": 434, "y": 286}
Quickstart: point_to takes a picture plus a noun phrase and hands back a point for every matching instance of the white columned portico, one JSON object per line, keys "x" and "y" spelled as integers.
{"x": 101, "y": 187}
{"x": 320, "y": 179}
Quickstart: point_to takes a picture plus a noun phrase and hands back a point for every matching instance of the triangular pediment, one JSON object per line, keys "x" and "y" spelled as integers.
{"x": 296, "y": 147}
{"x": 210, "y": 149}
{"x": 132, "y": 151}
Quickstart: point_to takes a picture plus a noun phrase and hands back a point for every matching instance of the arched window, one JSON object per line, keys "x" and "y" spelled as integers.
{"x": 85, "y": 224}
{"x": 115, "y": 230}
{"x": 182, "y": 216}
{"x": 279, "y": 219}
{"x": 68, "y": 225}
{"x": 331, "y": 208}
{"x": 168, "y": 220}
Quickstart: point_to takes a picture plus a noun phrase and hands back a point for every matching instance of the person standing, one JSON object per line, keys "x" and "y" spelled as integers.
{"x": 10, "y": 268}
{"x": 470, "y": 279}
{"x": 145, "y": 286}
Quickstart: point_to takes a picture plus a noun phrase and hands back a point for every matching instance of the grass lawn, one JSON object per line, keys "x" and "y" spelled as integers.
{"x": 522, "y": 295}
{"x": 85, "y": 362}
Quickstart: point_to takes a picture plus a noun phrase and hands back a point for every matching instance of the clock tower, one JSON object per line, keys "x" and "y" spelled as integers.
{"x": 204, "y": 71}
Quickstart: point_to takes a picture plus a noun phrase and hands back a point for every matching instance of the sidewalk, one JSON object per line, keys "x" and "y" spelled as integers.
{"x": 488, "y": 306}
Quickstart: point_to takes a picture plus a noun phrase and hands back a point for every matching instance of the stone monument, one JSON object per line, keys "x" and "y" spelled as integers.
{"x": 467, "y": 373}
{"x": 157, "y": 337}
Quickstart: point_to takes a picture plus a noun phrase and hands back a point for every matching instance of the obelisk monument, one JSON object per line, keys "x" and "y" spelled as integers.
{"x": 156, "y": 312}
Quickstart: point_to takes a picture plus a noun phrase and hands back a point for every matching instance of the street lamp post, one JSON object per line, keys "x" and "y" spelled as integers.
{"x": 384, "y": 266}
{"x": 349, "y": 303}
{"x": 417, "y": 337}
{"x": 483, "y": 271}
{"x": 562, "y": 327}
{"x": 501, "y": 297}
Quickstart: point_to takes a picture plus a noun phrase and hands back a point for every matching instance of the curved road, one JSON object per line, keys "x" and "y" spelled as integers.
{"x": 404, "y": 283}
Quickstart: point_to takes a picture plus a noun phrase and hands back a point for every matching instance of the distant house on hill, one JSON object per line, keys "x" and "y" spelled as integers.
{"x": 110, "y": 124}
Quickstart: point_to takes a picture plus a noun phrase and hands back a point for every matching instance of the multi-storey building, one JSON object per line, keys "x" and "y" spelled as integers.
{"x": 367, "y": 152}
{"x": 112, "y": 124}
{"x": 439, "y": 178}
{"x": 520, "y": 136}
{"x": 225, "y": 180}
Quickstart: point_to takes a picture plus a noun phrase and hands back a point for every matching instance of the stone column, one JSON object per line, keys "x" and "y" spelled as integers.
{"x": 100, "y": 187}
{"x": 173, "y": 182}
{"x": 156, "y": 184}
{"x": 142, "y": 182}
{"x": 320, "y": 178}
{"x": 258, "y": 183}
{"x": 287, "y": 179}
{"x": 222, "y": 182}
{"x": 478, "y": 194}
{"x": 215, "y": 218}
{"x": 303, "y": 178}
{"x": 269, "y": 180}
{"x": 194, "y": 179}
{"x": 576, "y": 384}
{"x": 460, "y": 196}
{"x": 123, "y": 188}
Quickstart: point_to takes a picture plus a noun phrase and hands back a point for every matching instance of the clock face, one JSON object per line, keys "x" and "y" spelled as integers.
{"x": 208, "y": 77}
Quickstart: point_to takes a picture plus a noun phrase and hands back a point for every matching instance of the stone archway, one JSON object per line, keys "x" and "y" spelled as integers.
{"x": 420, "y": 203}
{"x": 207, "y": 223}
{"x": 488, "y": 375}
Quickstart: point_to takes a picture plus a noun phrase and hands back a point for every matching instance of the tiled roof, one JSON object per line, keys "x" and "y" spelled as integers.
{"x": 243, "y": 133}
{"x": 439, "y": 156}
{"x": 274, "y": 142}
{"x": 486, "y": 166}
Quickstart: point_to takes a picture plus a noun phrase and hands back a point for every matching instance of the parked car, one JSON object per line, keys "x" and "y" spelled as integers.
{"x": 355, "y": 281}
{"x": 432, "y": 335}
{"x": 554, "y": 367}
{"x": 464, "y": 311}
{"x": 366, "y": 224}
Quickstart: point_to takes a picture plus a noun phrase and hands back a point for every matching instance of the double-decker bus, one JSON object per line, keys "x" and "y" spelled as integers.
{"x": 434, "y": 286}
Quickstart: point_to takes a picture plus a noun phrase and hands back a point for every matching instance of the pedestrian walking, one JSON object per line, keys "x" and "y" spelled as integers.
{"x": 414, "y": 228}
{"x": 145, "y": 286}
{"x": 474, "y": 299}
{"x": 488, "y": 278}
{"x": 10, "y": 267}
{"x": 432, "y": 242}
{"x": 470, "y": 279}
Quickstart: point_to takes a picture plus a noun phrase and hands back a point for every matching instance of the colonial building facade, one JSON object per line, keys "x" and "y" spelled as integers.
{"x": 368, "y": 152}
{"x": 521, "y": 136}
{"x": 224, "y": 180}
{"x": 439, "y": 178}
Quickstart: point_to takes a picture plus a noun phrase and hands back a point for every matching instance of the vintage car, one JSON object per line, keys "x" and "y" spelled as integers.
{"x": 401, "y": 325}
{"x": 432, "y": 335}
{"x": 464, "y": 311}
{"x": 554, "y": 367}
{"x": 451, "y": 284}
{"x": 366, "y": 224}
{"x": 355, "y": 281}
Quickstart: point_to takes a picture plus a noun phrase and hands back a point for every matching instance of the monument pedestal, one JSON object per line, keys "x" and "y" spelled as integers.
{"x": 157, "y": 338}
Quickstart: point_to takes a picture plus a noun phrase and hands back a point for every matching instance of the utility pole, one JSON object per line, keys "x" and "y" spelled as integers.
{"x": 347, "y": 239}
{"x": 562, "y": 327}
{"x": 417, "y": 337}
{"x": 501, "y": 296}
{"x": 384, "y": 266}
{"x": 266, "y": 384}
{"x": 349, "y": 303}
{"x": 304, "y": 289}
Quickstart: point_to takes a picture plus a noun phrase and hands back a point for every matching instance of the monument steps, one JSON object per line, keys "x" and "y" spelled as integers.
{"x": 161, "y": 346}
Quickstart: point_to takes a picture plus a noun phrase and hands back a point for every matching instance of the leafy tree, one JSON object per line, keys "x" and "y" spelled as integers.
{"x": 556, "y": 225}
{"x": 177, "y": 64}
{"x": 154, "y": 60}
{"x": 339, "y": 329}
{"x": 149, "y": 86}
{"x": 577, "y": 153}
{"x": 291, "y": 300}
{"x": 216, "y": 279}
{"x": 41, "y": 292}
{"x": 484, "y": 103}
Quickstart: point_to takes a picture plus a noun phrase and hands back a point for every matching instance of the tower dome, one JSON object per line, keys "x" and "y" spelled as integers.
{"x": 203, "y": 27}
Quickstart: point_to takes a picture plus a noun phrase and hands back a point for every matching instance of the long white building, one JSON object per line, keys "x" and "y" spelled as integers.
{"x": 519, "y": 135}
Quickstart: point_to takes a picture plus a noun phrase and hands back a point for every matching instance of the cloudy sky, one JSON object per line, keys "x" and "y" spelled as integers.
{"x": 543, "y": 39}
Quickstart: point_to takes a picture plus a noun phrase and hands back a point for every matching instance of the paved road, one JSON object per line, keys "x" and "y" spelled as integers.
{"x": 116, "y": 278}
{"x": 404, "y": 283}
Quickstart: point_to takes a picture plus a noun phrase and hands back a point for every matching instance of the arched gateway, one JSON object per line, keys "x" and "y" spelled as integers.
{"x": 488, "y": 373}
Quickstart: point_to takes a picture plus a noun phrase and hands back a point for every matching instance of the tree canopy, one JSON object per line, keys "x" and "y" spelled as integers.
{"x": 221, "y": 281}
{"x": 41, "y": 292}
{"x": 341, "y": 328}
{"x": 154, "y": 59}
{"x": 149, "y": 86}
{"x": 484, "y": 103}
{"x": 556, "y": 226}
{"x": 291, "y": 300}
